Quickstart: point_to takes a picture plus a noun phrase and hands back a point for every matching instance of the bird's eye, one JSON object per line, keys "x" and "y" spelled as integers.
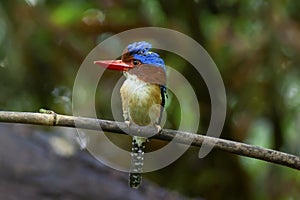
{"x": 136, "y": 62}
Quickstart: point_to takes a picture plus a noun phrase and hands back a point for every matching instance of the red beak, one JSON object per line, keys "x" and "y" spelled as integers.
{"x": 113, "y": 64}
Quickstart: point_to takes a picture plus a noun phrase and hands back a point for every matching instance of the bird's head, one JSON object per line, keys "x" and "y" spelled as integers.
{"x": 137, "y": 59}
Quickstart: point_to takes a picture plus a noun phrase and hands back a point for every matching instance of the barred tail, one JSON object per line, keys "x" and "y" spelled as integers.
{"x": 137, "y": 158}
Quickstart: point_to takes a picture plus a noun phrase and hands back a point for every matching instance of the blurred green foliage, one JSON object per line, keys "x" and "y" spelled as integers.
{"x": 255, "y": 44}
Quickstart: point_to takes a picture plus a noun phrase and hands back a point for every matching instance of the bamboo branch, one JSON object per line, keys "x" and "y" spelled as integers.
{"x": 53, "y": 119}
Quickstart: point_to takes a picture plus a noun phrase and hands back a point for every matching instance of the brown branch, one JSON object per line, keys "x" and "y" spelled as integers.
{"x": 53, "y": 119}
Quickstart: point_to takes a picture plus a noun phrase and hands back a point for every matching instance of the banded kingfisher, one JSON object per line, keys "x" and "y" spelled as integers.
{"x": 143, "y": 96}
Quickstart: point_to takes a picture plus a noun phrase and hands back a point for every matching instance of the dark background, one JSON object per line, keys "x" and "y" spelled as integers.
{"x": 254, "y": 43}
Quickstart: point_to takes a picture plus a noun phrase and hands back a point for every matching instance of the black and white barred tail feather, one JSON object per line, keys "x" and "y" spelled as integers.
{"x": 137, "y": 161}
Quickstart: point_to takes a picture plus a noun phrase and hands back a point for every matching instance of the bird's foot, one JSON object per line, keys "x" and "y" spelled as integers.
{"x": 50, "y": 112}
{"x": 158, "y": 127}
{"x": 45, "y": 111}
{"x": 127, "y": 123}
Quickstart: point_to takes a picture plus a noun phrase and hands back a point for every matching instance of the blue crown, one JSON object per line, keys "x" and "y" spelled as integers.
{"x": 141, "y": 51}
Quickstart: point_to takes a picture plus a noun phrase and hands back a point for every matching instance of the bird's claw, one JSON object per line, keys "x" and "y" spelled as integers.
{"x": 45, "y": 111}
{"x": 127, "y": 123}
{"x": 158, "y": 128}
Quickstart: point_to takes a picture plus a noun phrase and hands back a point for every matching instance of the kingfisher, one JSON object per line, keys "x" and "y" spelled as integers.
{"x": 143, "y": 96}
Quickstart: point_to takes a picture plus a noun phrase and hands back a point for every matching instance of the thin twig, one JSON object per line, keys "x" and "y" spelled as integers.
{"x": 53, "y": 119}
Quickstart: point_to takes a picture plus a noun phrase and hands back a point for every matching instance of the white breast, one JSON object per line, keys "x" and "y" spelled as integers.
{"x": 140, "y": 100}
